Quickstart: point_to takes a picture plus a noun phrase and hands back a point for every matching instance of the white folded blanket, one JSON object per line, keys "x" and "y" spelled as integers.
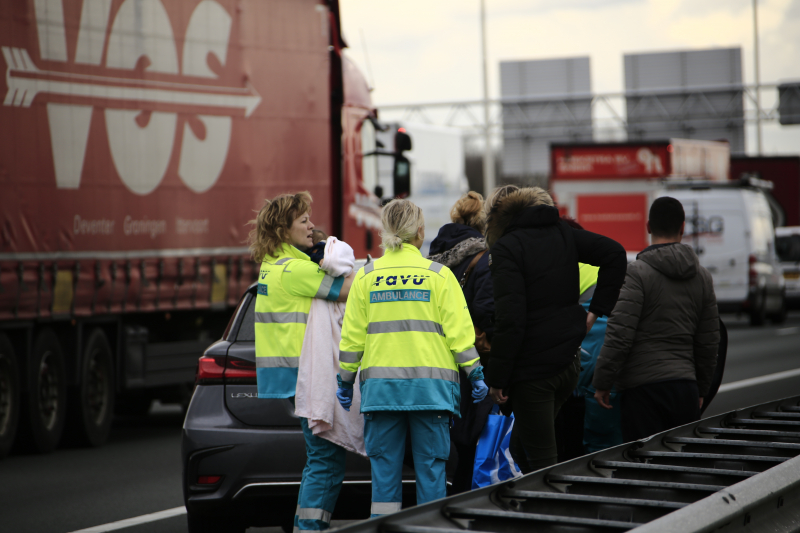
{"x": 319, "y": 363}
{"x": 339, "y": 258}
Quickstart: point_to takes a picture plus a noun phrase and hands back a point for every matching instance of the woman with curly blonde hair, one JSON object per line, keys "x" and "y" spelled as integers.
{"x": 287, "y": 283}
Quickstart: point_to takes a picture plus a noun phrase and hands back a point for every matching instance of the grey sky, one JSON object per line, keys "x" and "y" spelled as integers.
{"x": 429, "y": 50}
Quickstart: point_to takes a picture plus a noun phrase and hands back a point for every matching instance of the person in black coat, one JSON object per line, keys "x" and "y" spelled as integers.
{"x": 539, "y": 324}
{"x": 456, "y": 246}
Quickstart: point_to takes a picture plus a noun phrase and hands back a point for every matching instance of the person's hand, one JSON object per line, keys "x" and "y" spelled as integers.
{"x": 345, "y": 397}
{"x": 497, "y": 396}
{"x": 701, "y": 402}
{"x": 603, "y": 397}
{"x": 590, "y": 320}
{"x": 479, "y": 390}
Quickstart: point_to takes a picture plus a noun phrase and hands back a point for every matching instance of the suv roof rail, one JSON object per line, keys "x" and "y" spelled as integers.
{"x": 750, "y": 181}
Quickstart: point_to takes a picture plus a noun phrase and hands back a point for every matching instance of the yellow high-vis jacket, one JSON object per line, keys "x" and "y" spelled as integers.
{"x": 408, "y": 329}
{"x": 588, "y": 277}
{"x": 286, "y": 285}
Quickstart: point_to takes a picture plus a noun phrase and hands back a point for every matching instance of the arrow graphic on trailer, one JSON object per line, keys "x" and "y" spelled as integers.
{"x": 25, "y": 81}
{"x": 140, "y": 116}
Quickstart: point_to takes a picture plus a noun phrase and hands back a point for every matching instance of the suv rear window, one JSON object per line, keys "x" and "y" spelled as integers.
{"x": 247, "y": 331}
{"x": 788, "y": 248}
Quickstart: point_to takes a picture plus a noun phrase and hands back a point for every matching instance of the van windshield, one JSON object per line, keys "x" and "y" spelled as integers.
{"x": 788, "y": 248}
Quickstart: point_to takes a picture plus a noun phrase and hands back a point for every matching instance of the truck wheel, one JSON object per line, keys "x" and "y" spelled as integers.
{"x": 45, "y": 400}
{"x": 92, "y": 402}
{"x": 9, "y": 395}
{"x": 758, "y": 310}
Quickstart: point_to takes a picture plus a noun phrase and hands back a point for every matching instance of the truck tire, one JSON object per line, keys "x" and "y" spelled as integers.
{"x": 9, "y": 395}
{"x": 45, "y": 400}
{"x": 91, "y": 403}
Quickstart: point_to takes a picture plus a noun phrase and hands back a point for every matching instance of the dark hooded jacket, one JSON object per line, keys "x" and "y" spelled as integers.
{"x": 665, "y": 325}
{"x": 539, "y": 323}
{"x": 455, "y": 246}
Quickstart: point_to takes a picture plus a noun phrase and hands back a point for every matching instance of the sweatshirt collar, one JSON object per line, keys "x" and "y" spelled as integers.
{"x": 451, "y": 235}
{"x": 655, "y": 247}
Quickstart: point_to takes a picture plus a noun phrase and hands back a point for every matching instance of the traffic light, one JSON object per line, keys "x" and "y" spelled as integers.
{"x": 402, "y": 140}
{"x": 401, "y": 174}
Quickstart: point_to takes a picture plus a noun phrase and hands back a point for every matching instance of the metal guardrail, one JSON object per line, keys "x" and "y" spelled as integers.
{"x": 738, "y": 471}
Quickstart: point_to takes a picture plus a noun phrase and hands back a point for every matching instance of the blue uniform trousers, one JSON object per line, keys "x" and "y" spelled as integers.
{"x": 322, "y": 481}
{"x": 385, "y": 440}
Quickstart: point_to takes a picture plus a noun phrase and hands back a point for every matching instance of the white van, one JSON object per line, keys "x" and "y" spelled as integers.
{"x": 730, "y": 227}
{"x": 787, "y": 244}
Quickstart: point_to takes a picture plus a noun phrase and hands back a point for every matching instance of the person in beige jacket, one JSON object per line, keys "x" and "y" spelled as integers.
{"x": 660, "y": 348}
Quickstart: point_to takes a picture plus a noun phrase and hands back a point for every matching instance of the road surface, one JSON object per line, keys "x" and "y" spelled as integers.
{"x": 138, "y": 472}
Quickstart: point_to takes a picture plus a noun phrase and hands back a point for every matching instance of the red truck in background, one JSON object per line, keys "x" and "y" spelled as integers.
{"x": 138, "y": 139}
{"x": 608, "y": 187}
{"x": 783, "y": 172}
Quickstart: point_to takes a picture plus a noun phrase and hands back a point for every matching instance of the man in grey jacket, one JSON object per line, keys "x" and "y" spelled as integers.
{"x": 660, "y": 348}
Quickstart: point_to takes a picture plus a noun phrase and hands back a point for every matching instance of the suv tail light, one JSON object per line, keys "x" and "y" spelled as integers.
{"x": 210, "y": 369}
{"x": 752, "y": 274}
{"x": 239, "y": 369}
{"x": 219, "y": 369}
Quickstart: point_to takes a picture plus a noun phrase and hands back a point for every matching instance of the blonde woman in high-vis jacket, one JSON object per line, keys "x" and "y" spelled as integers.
{"x": 408, "y": 329}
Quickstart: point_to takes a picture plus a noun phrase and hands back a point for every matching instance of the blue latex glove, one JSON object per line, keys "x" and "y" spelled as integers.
{"x": 345, "y": 397}
{"x": 479, "y": 390}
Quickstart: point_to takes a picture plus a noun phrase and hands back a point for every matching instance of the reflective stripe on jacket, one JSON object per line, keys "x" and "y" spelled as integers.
{"x": 408, "y": 329}
{"x": 286, "y": 285}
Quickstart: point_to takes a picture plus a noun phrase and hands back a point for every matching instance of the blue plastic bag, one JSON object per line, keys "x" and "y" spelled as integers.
{"x": 493, "y": 461}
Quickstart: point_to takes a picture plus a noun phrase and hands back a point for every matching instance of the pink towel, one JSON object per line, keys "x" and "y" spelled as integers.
{"x": 319, "y": 363}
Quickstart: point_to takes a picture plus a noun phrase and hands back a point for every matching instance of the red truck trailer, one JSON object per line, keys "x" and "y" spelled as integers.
{"x": 783, "y": 172}
{"x": 137, "y": 139}
{"x": 608, "y": 187}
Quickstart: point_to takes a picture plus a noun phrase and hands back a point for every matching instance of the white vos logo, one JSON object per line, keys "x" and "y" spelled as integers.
{"x": 141, "y": 115}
